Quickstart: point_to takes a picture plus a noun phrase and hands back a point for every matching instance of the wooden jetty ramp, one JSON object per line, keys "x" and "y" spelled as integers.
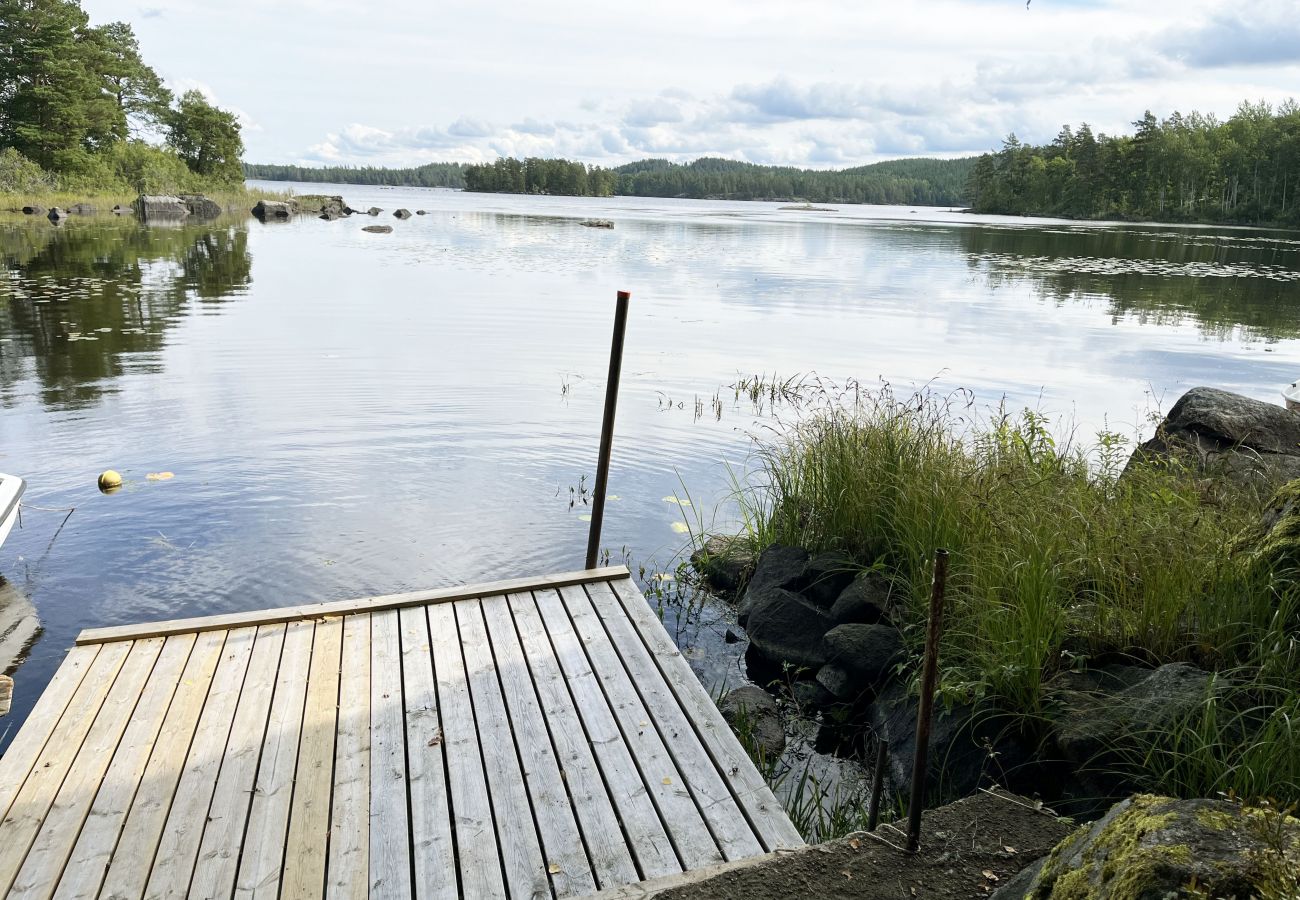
{"x": 523, "y": 739}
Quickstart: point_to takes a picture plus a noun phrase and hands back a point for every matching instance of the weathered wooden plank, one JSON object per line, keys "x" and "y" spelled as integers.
{"x": 178, "y": 849}
{"x": 606, "y": 846}
{"x": 26, "y": 815}
{"x": 571, "y": 871}
{"x": 343, "y": 607}
{"x": 645, "y": 831}
{"x": 476, "y": 843}
{"x": 762, "y": 808}
{"x": 89, "y": 857}
{"x": 516, "y": 832}
{"x": 681, "y": 816}
{"x": 40, "y": 870}
{"x": 223, "y": 834}
{"x": 268, "y": 817}
{"x": 31, "y": 738}
{"x": 432, "y": 845}
{"x": 309, "y": 814}
{"x": 390, "y": 847}
{"x": 349, "y": 849}
{"x": 128, "y": 871}
{"x": 718, "y": 806}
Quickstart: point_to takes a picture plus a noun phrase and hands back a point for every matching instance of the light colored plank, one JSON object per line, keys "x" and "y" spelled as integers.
{"x": 606, "y": 847}
{"x": 690, "y": 835}
{"x": 29, "y": 808}
{"x": 718, "y": 806}
{"x": 6, "y": 694}
{"x": 268, "y": 817}
{"x": 178, "y": 848}
{"x": 571, "y": 872}
{"x": 62, "y": 823}
{"x": 223, "y": 835}
{"x": 309, "y": 814}
{"x": 344, "y": 607}
{"x": 476, "y": 843}
{"x": 89, "y": 858}
{"x": 521, "y": 854}
{"x": 32, "y": 737}
{"x": 762, "y": 808}
{"x": 432, "y": 846}
{"x": 390, "y": 848}
{"x": 349, "y": 850}
{"x": 129, "y": 871}
{"x": 645, "y": 831}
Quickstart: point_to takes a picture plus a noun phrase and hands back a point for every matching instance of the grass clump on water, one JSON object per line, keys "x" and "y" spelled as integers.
{"x": 1060, "y": 557}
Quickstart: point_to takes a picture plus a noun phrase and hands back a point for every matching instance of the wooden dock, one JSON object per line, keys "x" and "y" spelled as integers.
{"x": 523, "y": 739}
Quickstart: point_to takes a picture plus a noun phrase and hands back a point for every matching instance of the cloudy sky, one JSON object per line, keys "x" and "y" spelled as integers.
{"x": 817, "y": 83}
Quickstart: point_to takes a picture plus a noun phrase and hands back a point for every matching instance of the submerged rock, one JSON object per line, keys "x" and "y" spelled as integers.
{"x": 82, "y": 209}
{"x": 34, "y": 210}
{"x": 1153, "y": 847}
{"x": 378, "y": 229}
{"x": 1222, "y": 434}
{"x": 754, "y": 714}
{"x": 597, "y": 223}
{"x": 402, "y": 213}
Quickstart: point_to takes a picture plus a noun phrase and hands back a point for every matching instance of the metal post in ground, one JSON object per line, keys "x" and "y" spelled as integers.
{"x": 877, "y": 784}
{"x": 607, "y": 428}
{"x": 929, "y": 681}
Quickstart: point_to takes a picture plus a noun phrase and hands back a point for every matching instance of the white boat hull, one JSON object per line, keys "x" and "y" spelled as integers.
{"x": 11, "y": 492}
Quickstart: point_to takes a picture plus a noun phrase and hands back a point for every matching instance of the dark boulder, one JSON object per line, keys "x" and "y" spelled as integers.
{"x": 402, "y": 213}
{"x": 34, "y": 210}
{"x": 787, "y": 629}
{"x": 812, "y": 695}
{"x": 56, "y": 214}
{"x": 373, "y": 211}
{"x": 1102, "y": 721}
{"x": 274, "y": 210}
{"x": 866, "y": 653}
{"x": 724, "y": 563}
{"x": 755, "y": 715}
{"x": 201, "y": 207}
{"x": 1218, "y": 433}
{"x": 968, "y": 746}
{"x": 120, "y": 210}
{"x": 420, "y": 212}
{"x": 778, "y": 566}
{"x": 82, "y": 209}
{"x": 826, "y": 575}
{"x": 865, "y": 600}
{"x": 378, "y": 229}
{"x": 1155, "y": 847}
{"x": 160, "y": 207}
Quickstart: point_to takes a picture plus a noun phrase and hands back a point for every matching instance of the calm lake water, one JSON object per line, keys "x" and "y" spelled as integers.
{"x": 349, "y": 414}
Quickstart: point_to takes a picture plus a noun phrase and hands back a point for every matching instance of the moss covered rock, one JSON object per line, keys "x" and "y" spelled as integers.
{"x": 1270, "y": 552}
{"x": 1149, "y": 847}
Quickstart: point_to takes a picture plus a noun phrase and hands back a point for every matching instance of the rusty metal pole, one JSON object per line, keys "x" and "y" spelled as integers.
{"x": 929, "y": 679}
{"x": 877, "y": 784}
{"x": 607, "y": 428}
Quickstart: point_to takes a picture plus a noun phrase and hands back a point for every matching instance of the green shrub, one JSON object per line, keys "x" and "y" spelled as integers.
{"x": 19, "y": 175}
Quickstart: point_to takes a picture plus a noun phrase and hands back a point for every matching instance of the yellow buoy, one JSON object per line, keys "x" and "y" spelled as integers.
{"x": 110, "y": 481}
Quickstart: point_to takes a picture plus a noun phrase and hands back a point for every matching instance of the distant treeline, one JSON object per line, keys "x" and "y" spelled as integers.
{"x": 916, "y": 182}
{"x": 1185, "y": 168}
{"x": 451, "y": 175}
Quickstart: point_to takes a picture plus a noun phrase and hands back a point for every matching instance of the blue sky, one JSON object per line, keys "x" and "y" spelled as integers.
{"x": 819, "y": 83}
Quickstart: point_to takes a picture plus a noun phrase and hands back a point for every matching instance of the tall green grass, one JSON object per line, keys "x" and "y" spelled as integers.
{"x": 1056, "y": 560}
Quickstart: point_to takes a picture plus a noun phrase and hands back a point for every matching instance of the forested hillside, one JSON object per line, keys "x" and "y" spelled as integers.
{"x": 77, "y": 101}
{"x": 1184, "y": 168}
{"x": 449, "y": 175}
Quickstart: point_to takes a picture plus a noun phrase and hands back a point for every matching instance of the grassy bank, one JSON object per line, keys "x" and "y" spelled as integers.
{"x": 1057, "y": 562}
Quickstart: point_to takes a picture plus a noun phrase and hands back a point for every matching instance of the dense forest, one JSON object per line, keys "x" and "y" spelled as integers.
{"x": 1184, "y": 168}
{"x": 77, "y": 102}
{"x": 926, "y": 182}
{"x": 449, "y": 175}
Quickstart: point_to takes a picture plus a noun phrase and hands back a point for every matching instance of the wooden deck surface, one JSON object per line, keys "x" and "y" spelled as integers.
{"x": 522, "y": 739}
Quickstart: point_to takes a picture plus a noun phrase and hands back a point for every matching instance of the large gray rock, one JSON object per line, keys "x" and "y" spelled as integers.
{"x": 866, "y": 600}
{"x": 1156, "y": 847}
{"x": 785, "y": 628}
{"x": 1224, "y": 434}
{"x": 201, "y": 207}
{"x": 158, "y": 207}
{"x": 755, "y": 715}
{"x": 778, "y": 566}
{"x": 56, "y": 214}
{"x": 826, "y": 575}
{"x": 34, "y": 210}
{"x": 1101, "y": 719}
{"x": 866, "y": 653}
{"x": 274, "y": 210}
